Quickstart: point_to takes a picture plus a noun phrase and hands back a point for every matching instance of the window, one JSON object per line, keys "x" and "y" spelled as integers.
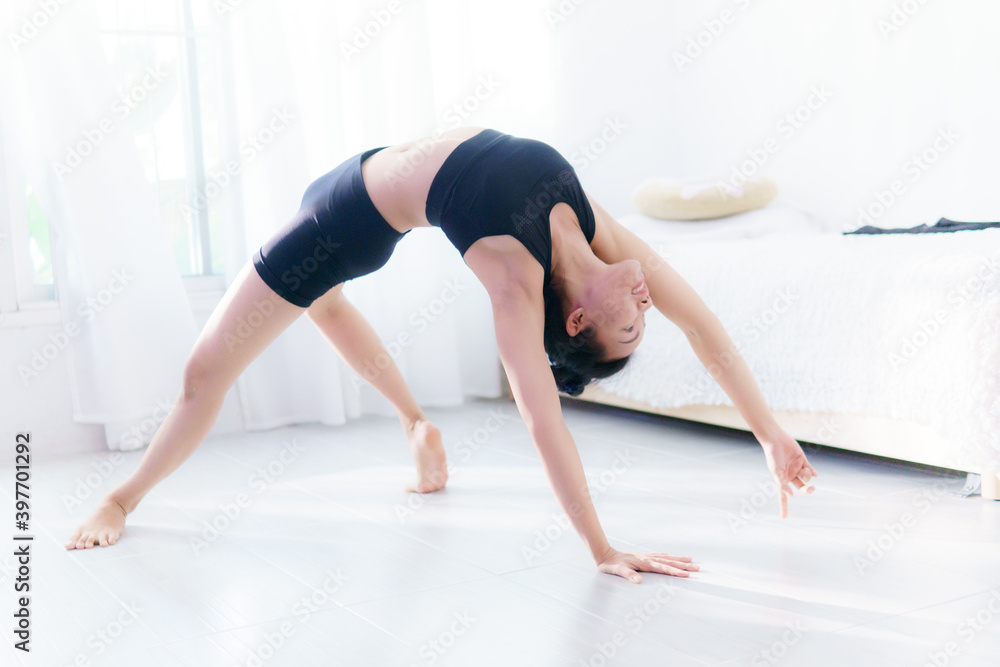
{"x": 164, "y": 57}
{"x": 162, "y": 53}
{"x": 38, "y": 241}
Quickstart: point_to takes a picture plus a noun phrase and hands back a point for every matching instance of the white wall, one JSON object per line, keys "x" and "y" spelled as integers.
{"x": 890, "y": 97}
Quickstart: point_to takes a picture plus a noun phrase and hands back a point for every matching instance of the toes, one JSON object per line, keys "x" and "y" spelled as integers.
{"x": 104, "y": 539}
{"x": 71, "y": 542}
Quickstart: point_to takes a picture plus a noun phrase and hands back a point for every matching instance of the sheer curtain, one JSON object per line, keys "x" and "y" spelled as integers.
{"x": 299, "y": 87}
{"x": 126, "y": 323}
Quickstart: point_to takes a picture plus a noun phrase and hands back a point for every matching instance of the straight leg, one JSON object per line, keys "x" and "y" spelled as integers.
{"x": 219, "y": 355}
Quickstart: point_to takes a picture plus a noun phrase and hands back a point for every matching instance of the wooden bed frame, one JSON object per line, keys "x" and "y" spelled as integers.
{"x": 856, "y": 432}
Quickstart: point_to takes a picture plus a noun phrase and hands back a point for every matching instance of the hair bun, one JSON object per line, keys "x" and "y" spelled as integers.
{"x": 568, "y": 381}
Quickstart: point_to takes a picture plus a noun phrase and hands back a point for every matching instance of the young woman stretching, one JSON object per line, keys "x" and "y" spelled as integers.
{"x": 569, "y": 288}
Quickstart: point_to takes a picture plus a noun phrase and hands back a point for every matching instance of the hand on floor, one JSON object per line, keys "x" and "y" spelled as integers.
{"x": 629, "y": 565}
{"x": 787, "y": 463}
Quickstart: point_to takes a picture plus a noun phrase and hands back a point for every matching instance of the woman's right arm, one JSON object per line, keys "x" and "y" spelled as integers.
{"x": 518, "y": 316}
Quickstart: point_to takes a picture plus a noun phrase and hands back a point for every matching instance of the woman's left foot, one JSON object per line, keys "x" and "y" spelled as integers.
{"x": 428, "y": 455}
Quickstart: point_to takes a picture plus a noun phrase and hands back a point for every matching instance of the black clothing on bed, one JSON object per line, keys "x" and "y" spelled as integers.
{"x": 942, "y": 225}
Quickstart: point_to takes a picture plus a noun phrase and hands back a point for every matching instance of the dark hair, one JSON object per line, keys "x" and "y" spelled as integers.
{"x": 573, "y": 359}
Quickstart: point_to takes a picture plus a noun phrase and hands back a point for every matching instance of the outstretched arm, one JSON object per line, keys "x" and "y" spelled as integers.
{"x": 518, "y": 315}
{"x": 679, "y": 303}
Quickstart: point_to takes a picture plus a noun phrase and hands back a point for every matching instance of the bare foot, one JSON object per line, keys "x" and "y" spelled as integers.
{"x": 103, "y": 526}
{"x": 428, "y": 455}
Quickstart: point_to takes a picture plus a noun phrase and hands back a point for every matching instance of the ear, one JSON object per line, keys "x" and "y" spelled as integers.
{"x": 575, "y": 322}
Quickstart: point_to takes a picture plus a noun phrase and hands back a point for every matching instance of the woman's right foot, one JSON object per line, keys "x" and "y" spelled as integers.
{"x": 103, "y": 526}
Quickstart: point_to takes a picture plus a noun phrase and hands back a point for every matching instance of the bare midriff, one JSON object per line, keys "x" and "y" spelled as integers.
{"x": 399, "y": 177}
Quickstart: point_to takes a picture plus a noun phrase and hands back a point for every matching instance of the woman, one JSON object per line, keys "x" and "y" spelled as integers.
{"x": 569, "y": 288}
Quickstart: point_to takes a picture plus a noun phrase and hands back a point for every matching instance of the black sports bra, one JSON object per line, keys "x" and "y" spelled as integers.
{"x": 495, "y": 184}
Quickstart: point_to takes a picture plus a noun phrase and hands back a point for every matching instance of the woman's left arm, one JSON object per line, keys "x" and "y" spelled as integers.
{"x": 679, "y": 303}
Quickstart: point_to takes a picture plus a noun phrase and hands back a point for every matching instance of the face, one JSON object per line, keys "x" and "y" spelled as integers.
{"x": 616, "y": 307}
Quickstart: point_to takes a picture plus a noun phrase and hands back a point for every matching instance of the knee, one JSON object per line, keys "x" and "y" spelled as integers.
{"x": 201, "y": 377}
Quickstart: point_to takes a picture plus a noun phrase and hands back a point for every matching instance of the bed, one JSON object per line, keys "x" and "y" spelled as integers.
{"x": 887, "y": 344}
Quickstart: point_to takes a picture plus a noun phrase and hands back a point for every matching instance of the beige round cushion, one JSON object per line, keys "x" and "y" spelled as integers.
{"x": 670, "y": 199}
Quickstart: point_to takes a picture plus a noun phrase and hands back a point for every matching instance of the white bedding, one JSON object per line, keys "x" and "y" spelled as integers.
{"x": 901, "y": 326}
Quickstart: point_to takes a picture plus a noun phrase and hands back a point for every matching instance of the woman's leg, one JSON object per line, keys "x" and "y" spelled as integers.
{"x": 218, "y": 357}
{"x": 359, "y": 346}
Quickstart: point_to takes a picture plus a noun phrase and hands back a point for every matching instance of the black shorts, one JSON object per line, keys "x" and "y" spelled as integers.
{"x": 337, "y": 235}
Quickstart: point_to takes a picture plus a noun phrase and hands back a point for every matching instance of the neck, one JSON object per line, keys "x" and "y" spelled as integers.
{"x": 574, "y": 264}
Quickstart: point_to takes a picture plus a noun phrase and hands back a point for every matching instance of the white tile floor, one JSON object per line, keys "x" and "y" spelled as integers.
{"x": 328, "y": 562}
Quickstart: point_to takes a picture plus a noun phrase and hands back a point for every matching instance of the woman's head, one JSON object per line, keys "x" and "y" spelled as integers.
{"x": 591, "y": 332}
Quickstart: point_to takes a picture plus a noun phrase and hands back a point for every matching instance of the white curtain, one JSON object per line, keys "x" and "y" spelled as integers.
{"x": 126, "y": 321}
{"x": 328, "y": 80}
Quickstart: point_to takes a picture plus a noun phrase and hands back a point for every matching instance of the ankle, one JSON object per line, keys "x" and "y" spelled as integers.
{"x": 126, "y": 504}
{"x": 410, "y": 421}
